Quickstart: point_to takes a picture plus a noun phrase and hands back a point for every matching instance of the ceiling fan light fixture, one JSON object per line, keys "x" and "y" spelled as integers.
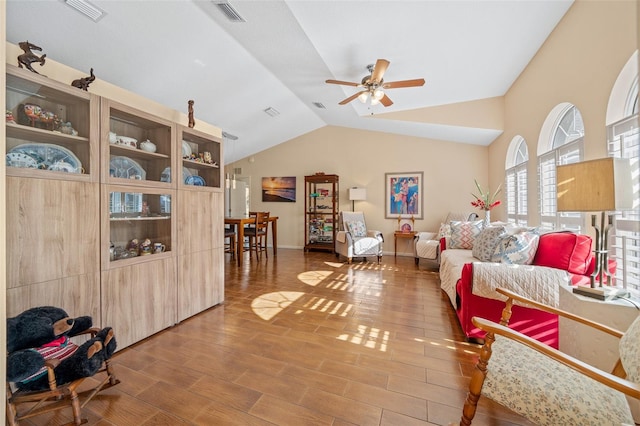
{"x": 374, "y": 101}
{"x": 378, "y": 94}
{"x": 363, "y": 97}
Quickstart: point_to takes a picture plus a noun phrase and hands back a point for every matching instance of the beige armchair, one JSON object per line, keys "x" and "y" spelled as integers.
{"x": 353, "y": 239}
{"x": 547, "y": 386}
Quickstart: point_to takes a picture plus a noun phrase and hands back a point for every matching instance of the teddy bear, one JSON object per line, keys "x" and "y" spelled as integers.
{"x": 42, "y": 333}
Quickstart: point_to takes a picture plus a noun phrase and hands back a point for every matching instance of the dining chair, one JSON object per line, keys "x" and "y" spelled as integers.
{"x": 257, "y": 235}
{"x": 230, "y": 247}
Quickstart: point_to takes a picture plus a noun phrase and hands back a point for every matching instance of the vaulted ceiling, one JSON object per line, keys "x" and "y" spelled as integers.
{"x": 469, "y": 53}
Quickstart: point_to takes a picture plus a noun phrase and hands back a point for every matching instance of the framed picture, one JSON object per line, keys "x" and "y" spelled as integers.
{"x": 279, "y": 189}
{"x": 403, "y": 195}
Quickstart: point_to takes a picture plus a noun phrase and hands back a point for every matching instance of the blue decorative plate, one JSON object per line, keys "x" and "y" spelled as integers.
{"x": 50, "y": 156}
{"x": 195, "y": 180}
{"x": 166, "y": 175}
{"x": 126, "y": 168}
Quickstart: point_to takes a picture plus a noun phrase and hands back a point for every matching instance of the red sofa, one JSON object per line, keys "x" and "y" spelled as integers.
{"x": 561, "y": 250}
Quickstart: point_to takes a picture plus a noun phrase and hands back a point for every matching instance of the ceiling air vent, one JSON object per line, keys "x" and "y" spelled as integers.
{"x": 272, "y": 112}
{"x": 319, "y": 105}
{"x": 229, "y": 136}
{"x": 229, "y": 11}
{"x": 87, "y": 9}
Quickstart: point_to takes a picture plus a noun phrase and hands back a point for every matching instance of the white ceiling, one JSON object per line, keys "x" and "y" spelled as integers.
{"x": 173, "y": 51}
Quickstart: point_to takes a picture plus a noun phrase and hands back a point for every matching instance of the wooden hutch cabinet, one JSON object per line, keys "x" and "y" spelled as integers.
{"x": 79, "y": 199}
{"x": 321, "y": 206}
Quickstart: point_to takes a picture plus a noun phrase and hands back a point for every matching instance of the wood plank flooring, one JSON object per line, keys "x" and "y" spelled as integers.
{"x": 303, "y": 339}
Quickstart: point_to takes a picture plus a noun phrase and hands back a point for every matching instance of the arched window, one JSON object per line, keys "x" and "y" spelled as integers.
{"x": 623, "y": 141}
{"x": 516, "y": 181}
{"x": 561, "y": 142}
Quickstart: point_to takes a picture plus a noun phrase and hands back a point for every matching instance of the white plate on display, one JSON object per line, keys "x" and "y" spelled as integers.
{"x": 47, "y": 154}
{"x": 126, "y": 168}
{"x": 62, "y": 166}
{"x": 186, "y": 149}
{"x": 166, "y": 175}
{"x": 18, "y": 159}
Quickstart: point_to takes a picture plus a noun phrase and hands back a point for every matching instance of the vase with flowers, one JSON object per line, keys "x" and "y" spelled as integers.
{"x": 486, "y": 201}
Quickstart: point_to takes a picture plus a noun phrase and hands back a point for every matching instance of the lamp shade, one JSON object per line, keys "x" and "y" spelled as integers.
{"x": 357, "y": 194}
{"x": 596, "y": 185}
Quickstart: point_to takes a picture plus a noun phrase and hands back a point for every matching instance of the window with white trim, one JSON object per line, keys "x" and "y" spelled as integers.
{"x": 623, "y": 140}
{"x": 516, "y": 181}
{"x": 564, "y": 146}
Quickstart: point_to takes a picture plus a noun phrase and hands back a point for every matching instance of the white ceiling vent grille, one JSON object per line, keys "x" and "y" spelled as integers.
{"x": 229, "y": 11}
{"x": 272, "y": 112}
{"x": 229, "y": 136}
{"x": 87, "y": 9}
{"x": 319, "y": 105}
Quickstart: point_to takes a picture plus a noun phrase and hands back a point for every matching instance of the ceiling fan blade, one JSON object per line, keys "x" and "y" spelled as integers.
{"x": 352, "y": 97}
{"x": 379, "y": 69}
{"x": 404, "y": 83}
{"x": 386, "y": 101}
{"x": 346, "y": 83}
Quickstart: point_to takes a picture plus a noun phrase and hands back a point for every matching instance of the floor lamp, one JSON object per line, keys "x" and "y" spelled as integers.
{"x": 357, "y": 194}
{"x": 602, "y": 185}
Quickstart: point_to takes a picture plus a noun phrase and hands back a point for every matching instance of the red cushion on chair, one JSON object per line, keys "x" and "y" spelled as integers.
{"x": 564, "y": 250}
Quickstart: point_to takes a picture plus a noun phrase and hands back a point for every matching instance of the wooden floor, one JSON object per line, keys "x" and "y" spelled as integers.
{"x": 303, "y": 339}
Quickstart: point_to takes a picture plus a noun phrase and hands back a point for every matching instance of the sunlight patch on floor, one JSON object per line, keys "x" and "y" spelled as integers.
{"x": 313, "y": 278}
{"x": 334, "y": 264}
{"x": 320, "y": 304}
{"x": 269, "y": 305}
{"x": 454, "y": 346}
{"x": 369, "y": 337}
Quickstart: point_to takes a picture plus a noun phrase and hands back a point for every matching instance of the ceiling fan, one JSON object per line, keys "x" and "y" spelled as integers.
{"x": 372, "y": 85}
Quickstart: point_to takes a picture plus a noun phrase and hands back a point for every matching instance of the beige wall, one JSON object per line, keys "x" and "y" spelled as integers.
{"x": 361, "y": 158}
{"x": 579, "y": 63}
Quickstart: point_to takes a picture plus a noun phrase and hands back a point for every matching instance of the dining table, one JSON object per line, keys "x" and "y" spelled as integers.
{"x": 239, "y": 222}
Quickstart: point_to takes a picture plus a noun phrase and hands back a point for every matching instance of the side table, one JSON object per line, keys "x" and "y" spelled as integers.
{"x": 401, "y": 235}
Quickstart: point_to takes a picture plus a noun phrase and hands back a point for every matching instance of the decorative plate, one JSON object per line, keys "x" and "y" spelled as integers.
{"x": 195, "y": 180}
{"x": 186, "y": 149}
{"x": 62, "y": 166}
{"x": 47, "y": 154}
{"x": 166, "y": 175}
{"x": 18, "y": 159}
{"x": 126, "y": 168}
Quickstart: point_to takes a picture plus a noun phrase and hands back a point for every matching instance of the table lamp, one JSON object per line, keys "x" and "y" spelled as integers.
{"x": 602, "y": 185}
{"x": 357, "y": 194}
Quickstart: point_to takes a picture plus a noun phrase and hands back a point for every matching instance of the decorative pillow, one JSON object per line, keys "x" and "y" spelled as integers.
{"x": 463, "y": 234}
{"x": 565, "y": 250}
{"x": 519, "y": 248}
{"x": 484, "y": 247}
{"x": 444, "y": 231}
{"x": 357, "y": 228}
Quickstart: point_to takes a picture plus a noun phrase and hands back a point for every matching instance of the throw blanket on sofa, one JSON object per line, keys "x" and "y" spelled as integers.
{"x": 539, "y": 283}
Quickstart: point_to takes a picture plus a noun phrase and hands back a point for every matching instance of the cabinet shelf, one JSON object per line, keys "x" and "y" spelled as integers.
{"x": 143, "y": 218}
{"x": 321, "y": 207}
{"x": 34, "y": 134}
{"x": 190, "y": 164}
{"x": 135, "y": 152}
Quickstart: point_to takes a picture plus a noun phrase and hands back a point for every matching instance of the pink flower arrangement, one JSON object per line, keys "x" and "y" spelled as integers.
{"x": 485, "y": 201}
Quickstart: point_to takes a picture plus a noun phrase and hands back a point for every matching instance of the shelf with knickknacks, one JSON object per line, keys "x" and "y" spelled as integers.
{"x": 48, "y": 128}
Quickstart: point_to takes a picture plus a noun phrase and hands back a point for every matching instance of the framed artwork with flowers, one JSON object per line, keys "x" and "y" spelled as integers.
{"x": 403, "y": 195}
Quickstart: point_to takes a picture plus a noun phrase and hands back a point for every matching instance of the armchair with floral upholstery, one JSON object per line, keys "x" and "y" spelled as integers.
{"x": 353, "y": 239}
{"x": 549, "y": 387}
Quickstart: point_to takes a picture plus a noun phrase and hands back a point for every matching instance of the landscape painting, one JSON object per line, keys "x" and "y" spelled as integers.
{"x": 279, "y": 189}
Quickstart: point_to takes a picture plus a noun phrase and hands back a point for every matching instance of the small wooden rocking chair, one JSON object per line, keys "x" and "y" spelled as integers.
{"x": 57, "y": 397}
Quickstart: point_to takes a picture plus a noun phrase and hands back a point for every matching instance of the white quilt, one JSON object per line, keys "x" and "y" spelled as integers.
{"x": 451, "y": 263}
{"x": 539, "y": 283}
